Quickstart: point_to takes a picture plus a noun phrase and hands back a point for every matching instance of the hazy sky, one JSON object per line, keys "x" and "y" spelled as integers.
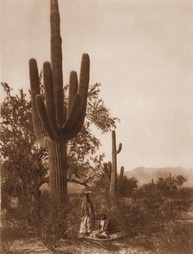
{"x": 141, "y": 52}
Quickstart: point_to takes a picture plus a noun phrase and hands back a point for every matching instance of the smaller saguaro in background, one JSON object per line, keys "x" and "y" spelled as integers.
{"x": 111, "y": 168}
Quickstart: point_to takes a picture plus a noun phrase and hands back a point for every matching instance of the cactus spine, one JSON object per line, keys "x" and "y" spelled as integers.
{"x": 55, "y": 123}
{"x": 112, "y": 168}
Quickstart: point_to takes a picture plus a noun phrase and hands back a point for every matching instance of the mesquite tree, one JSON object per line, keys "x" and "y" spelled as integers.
{"x": 23, "y": 170}
{"x": 111, "y": 168}
{"x": 54, "y": 122}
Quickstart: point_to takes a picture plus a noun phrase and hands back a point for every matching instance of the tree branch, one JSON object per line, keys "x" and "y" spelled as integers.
{"x": 79, "y": 182}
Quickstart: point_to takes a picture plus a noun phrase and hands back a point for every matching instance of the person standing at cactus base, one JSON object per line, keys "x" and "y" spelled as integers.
{"x": 87, "y": 213}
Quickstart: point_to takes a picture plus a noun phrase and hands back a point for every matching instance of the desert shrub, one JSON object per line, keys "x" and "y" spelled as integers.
{"x": 53, "y": 222}
{"x": 151, "y": 208}
{"x": 147, "y": 214}
{"x": 126, "y": 186}
{"x": 13, "y": 227}
{"x": 132, "y": 218}
{"x": 176, "y": 237}
{"x": 74, "y": 215}
{"x": 55, "y": 225}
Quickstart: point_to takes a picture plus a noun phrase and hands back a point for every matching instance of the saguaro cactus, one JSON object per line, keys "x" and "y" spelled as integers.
{"x": 111, "y": 168}
{"x": 54, "y": 122}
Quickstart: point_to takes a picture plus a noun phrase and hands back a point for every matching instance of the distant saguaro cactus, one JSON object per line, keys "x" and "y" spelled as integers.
{"x": 54, "y": 122}
{"x": 111, "y": 168}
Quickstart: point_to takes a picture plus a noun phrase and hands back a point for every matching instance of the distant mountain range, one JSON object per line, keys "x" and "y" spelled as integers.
{"x": 145, "y": 175}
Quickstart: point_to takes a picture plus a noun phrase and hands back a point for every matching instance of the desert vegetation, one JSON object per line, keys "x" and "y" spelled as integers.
{"x": 149, "y": 215}
{"x": 47, "y": 140}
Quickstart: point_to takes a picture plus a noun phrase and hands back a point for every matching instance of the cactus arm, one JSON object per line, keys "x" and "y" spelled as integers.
{"x": 84, "y": 78}
{"x": 44, "y": 118}
{"x": 119, "y": 149}
{"x": 56, "y": 61}
{"x": 121, "y": 174}
{"x": 71, "y": 134}
{"x": 48, "y": 84}
{"x": 83, "y": 90}
{"x": 35, "y": 89}
{"x": 73, "y": 86}
{"x": 75, "y": 112}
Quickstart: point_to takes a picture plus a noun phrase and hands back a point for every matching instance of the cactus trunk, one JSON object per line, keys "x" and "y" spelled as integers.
{"x": 114, "y": 168}
{"x": 114, "y": 178}
{"x": 58, "y": 171}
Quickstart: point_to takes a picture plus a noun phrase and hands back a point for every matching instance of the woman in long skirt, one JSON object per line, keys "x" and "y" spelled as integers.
{"x": 87, "y": 213}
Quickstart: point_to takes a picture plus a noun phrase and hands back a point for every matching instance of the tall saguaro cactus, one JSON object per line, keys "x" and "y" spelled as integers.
{"x": 112, "y": 167}
{"x": 54, "y": 122}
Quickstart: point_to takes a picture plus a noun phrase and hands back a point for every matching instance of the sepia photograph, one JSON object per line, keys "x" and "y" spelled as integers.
{"x": 96, "y": 126}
